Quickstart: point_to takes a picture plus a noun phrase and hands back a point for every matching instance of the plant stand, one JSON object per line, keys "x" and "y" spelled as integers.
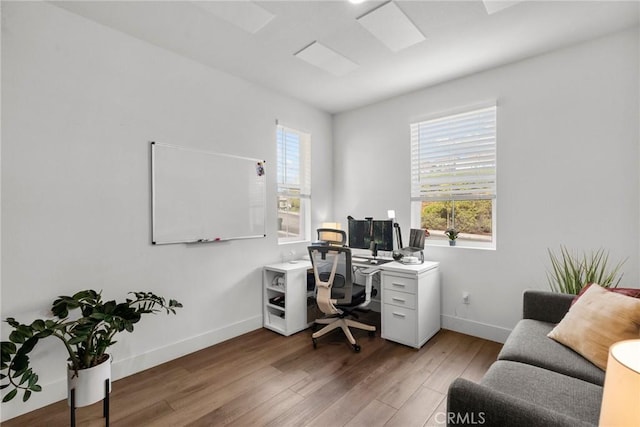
{"x": 105, "y": 404}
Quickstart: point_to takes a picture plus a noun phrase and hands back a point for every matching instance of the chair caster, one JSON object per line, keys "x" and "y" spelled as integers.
{"x": 356, "y": 348}
{"x": 372, "y": 334}
{"x": 315, "y": 342}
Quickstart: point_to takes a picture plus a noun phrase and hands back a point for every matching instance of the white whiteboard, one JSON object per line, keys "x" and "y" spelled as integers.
{"x": 200, "y": 196}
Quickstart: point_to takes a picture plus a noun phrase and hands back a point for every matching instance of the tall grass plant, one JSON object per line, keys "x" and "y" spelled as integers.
{"x": 571, "y": 271}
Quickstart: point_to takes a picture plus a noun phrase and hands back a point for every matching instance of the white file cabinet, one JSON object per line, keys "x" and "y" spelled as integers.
{"x": 286, "y": 297}
{"x": 410, "y": 303}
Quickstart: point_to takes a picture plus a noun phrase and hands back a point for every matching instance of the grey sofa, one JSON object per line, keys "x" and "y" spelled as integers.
{"x": 536, "y": 381}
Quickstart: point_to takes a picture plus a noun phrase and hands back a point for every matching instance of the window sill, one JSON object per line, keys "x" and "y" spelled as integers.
{"x": 462, "y": 244}
{"x": 294, "y": 242}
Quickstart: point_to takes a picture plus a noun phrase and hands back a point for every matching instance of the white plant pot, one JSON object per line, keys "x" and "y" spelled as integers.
{"x": 89, "y": 384}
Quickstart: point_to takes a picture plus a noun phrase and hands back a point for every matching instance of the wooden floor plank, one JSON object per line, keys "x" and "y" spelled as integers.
{"x": 249, "y": 400}
{"x": 453, "y": 366}
{"x": 356, "y": 399}
{"x": 147, "y": 416}
{"x": 487, "y": 354}
{"x": 418, "y": 409}
{"x": 189, "y": 407}
{"x": 409, "y": 378}
{"x": 269, "y": 410}
{"x": 343, "y": 380}
{"x": 439, "y": 416}
{"x": 265, "y": 379}
{"x": 375, "y": 414}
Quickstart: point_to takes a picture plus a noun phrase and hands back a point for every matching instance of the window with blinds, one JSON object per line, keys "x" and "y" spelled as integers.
{"x": 453, "y": 175}
{"x": 294, "y": 184}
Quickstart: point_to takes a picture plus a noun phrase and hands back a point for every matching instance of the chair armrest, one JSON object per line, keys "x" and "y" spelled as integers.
{"x": 545, "y": 306}
{"x": 471, "y": 404}
{"x": 368, "y": 274}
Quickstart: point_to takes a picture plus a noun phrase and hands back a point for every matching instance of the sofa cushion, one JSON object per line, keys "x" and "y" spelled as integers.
{"x": 528, "y": 343}
{"x": 556, "y": 392}
{"x": 630, "y": 292}
{"x": 596, "y": 321}
{"x": 470, "y": 404}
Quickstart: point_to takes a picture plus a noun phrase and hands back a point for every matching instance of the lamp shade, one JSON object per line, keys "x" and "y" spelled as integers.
{"x": 621, "y": 397}
{"x": 328, "y": 236}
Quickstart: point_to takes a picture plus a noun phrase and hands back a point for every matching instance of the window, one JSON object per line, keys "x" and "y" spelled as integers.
{"x": 453, "y": 176}
{"x": 294, "y": 185}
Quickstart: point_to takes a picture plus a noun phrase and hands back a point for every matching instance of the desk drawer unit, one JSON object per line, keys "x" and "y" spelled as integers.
{"x": 400, "y": 325}
{"x": 397, "y": 282}
{"x": 411, "y": 306}
{"x": 400, "y": 299}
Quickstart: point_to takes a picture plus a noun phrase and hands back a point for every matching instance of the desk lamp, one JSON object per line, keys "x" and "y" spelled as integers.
{"x": 621, "y": 397}
{"x": 397, "y": 253}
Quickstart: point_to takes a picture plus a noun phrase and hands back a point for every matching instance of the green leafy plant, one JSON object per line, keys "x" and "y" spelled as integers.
{"x": 570, "y": 271}
{"x": 452, "y": 233}
{"x": 86, "y": 338}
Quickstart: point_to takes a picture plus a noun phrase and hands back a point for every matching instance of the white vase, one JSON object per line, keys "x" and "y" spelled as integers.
{"x": 89, "y": 384}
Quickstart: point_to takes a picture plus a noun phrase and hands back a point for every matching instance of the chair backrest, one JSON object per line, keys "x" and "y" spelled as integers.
{"x": 332, "y": 236}
{"x": 333, "y": 276}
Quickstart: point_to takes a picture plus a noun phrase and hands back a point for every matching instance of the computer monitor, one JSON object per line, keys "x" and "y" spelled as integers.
{"x": 363, "y": 231}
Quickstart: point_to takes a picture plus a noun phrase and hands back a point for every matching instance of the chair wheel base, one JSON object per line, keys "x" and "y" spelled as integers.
{"x": 315, "y": 342}
{"x": 356, "y": 348}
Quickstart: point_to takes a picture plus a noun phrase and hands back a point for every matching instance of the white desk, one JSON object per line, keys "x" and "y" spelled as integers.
{"x": 410, "y": 300}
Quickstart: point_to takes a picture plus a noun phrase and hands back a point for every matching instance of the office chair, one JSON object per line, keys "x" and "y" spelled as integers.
{"x": 336, "y": 294}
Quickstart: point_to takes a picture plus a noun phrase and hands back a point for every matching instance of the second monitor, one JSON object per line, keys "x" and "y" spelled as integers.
{"x": 363, "y": 232}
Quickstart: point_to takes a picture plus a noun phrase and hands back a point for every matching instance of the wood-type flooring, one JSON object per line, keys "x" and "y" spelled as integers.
{"x": 264, "y": 379}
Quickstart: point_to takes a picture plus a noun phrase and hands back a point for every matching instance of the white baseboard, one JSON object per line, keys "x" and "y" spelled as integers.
{"x": 57, "y": 390}
{"x": 476, "y": 329}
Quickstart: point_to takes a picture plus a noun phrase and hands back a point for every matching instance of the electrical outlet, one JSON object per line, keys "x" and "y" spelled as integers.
{"x": 465, "y": 297}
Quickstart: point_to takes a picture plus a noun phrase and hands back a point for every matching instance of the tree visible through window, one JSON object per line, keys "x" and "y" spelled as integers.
{"x": 294, "y": 184}
{"x": 453, "y": 175}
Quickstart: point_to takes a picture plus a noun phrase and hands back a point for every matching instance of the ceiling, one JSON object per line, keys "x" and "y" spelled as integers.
{"x": 460, "y": 38}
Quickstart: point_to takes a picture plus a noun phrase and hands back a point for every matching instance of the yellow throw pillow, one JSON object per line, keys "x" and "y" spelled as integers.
{"x": 596, "y": 321}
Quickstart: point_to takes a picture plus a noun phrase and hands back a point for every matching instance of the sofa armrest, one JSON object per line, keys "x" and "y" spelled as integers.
{"x": 471, "y": 404}
{"x": 545, "y": 306}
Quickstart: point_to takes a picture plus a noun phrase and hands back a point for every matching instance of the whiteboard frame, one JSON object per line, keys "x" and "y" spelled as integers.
{"x": 154, "y": 144}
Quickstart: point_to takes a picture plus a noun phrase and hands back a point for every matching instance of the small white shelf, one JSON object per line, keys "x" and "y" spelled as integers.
{"x": 293, "y": 317}
{"x": 276, "y": 307}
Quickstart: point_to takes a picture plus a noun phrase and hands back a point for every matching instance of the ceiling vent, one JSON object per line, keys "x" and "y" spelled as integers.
{"x": 391, "y": 26}
{"x": 329, "y": 60}
{"x": 244, "y": 14}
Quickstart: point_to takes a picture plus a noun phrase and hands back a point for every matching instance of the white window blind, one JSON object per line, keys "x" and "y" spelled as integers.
{"x": 294, "y": 168}
{"x": 294, "y": 185}
{"x": 454, "y": 157}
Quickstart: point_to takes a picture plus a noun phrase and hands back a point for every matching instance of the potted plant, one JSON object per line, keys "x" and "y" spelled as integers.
{"x": 570, "y": 271}
{"x": 452, "y": 234}
{"x": 85, "y": 337}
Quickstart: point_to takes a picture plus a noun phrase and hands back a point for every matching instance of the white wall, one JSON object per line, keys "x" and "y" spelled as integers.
{"x": 567, "y": 171}
{"x": 80, "y": 103}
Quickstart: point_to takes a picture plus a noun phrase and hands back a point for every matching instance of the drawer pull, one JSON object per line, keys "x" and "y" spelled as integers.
{"x": 398, "y": 299}
{"x": 395, "y": 313}
{"x": 402, "y": 285}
